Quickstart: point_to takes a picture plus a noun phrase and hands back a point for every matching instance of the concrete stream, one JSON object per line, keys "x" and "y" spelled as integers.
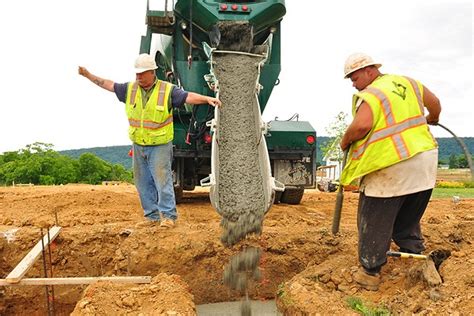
{"x": 259, "y": 308}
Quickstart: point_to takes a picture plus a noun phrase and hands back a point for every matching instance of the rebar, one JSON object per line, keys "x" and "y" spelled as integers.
{"x": 45, "y": 272}
{"x": 51, "y": 273}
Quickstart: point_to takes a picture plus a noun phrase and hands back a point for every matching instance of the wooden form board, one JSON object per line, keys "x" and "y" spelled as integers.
{"x": 78, "y": 280}
{"x": 20, "y": 270}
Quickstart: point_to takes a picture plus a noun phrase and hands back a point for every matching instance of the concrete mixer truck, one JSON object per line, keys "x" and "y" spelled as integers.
{"x": 183, "y": 37}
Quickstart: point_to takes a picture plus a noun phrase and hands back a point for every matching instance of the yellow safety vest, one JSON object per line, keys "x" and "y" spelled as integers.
{"x": 151, "y": 124}
{"x": 399, "y": 129}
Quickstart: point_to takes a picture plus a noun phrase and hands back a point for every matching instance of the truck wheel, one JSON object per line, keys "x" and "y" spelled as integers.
{"x": 278, "y": 195}
{"x": 178, "y": 194}
{"x": 292, "y": 195}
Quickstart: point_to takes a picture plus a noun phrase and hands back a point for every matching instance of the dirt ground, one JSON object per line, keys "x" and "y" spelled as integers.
{"x": 303, "y": 266}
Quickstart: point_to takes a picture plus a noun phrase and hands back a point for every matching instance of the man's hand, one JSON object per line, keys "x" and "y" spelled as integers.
{"x": 103, "y": 83}
{"x": 83, "y": 71}
{"x": 214, "y": 101}
{"x": 196, "y": 98}
{"x": 431, "y": 120}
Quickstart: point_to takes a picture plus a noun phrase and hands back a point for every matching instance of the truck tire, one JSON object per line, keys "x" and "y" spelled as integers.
{"x": 292, "y": 195}
{"x": 278, "y": 195}
{"x": 178, "y": 194}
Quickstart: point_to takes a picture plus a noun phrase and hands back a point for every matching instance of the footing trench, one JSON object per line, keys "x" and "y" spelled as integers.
{"x": 302, "y": 265}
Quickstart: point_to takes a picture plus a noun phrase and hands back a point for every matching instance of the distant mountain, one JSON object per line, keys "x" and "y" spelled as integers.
{"x": 119, "y": 154}
{"x": 112, "y": 154}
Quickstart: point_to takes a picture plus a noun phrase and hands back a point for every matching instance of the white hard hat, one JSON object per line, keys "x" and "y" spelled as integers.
{"x": 358, "y": 61}
{"x": 144, "y": 62}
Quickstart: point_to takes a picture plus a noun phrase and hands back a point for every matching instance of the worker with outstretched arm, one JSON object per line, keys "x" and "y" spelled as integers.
{"x": 149, "y": 104}
{"x": 393, "y": 152}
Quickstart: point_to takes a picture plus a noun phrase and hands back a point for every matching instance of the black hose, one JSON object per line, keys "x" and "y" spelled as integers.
{"x": 464, "y": 148}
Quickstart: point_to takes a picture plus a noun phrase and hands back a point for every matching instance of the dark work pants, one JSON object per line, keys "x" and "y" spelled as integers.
{"x": 379, "y": 220}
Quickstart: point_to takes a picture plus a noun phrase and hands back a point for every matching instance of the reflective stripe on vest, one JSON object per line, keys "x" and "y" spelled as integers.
{"x": 394, "y": 132}
{"x": 150, "y": 124}
{"x": 400, "y": 146}
{"x": 161, "y": 92}
{"x": 417, "y": 93}
{"x": 133, "y": 94}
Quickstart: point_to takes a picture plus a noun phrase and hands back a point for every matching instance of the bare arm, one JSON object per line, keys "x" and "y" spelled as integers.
{"x": 103, "y": 83}
{"x": 196, "y": 98}
{"x": 433, "y": 105}
{"x": 359, "y": 127}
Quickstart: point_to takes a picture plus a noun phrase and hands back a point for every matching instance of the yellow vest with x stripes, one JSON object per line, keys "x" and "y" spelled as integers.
{"x": 399, "y": 130}
{"x": 152, "y": 123}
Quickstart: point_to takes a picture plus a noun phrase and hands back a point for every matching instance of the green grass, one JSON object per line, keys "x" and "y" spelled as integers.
{"x": 362, "y": 308}
{"x": 450, "y": 192}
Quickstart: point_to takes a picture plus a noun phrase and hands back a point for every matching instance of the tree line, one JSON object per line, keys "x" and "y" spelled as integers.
{"x": 39, "y": 164}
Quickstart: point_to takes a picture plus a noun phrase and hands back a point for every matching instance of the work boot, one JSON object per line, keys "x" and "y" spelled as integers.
{"x": 167, "y": 223}
{"x": 146, "y": 223}
{"x": 366, "y": 280}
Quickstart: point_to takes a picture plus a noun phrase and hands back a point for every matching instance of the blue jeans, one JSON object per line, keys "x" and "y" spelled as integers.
{"x": 154, "y": 180}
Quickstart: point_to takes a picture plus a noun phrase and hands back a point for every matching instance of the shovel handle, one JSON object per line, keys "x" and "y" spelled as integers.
{"x": 339, "y": 199}
{"x": 405, "y": 255}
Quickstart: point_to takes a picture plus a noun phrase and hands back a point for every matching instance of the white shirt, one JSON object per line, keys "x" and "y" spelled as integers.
{"x": 409, "y": 176}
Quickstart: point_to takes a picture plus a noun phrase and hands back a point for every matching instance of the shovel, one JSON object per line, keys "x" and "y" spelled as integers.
{"x": 339, "y": 199}
{"x": 432, "y": 262}
{"x": 437, "y": 256}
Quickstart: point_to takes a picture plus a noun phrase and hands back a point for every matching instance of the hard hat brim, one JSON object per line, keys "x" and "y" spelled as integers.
{"x": 141, "y": 70}
{"x": 364, "y": 66}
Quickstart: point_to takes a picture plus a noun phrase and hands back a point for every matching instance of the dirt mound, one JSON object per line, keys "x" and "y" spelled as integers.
{"x": 106, "y": 298}
{"x": 329, "y": 288}
{"x": 306, "y": 268}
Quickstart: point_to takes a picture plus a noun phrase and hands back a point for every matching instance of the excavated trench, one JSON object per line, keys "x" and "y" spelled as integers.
{"x": 121, "y": 250}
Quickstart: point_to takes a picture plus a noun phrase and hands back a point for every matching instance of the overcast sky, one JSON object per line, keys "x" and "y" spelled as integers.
{"x": 43, "y": 42}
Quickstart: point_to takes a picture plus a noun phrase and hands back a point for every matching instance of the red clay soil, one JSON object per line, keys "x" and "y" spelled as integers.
{"x": 306, "y": 268}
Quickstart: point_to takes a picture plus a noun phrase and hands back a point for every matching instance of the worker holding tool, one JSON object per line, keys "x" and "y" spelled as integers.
{"x": 149, "y": 104}
{"x": 393, "y": 152}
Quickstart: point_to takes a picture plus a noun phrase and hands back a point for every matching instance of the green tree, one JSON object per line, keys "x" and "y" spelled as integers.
{"x": 10, "y": 156}
{"x": 335, "y": 132}
{"x": 65, "y": 170}
{"x": 38, "y": 163}
{"x": 119, "y": 173}
{"x": 453, "y": 161}
{"x": 92, "y": 169}
{"x": 7, "y": 171}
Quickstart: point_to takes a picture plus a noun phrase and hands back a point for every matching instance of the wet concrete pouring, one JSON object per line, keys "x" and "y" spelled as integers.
{"x": 241, "y": 178}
